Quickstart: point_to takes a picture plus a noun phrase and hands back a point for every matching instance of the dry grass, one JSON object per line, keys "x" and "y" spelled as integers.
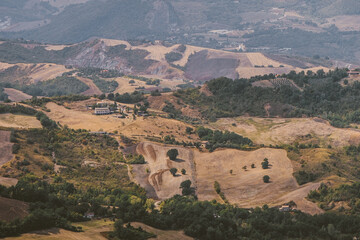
{"x": 244, "y": 188}
{"x": 8, "y": 182}
{"x": 93, "y": 89}
{"x": 92, "y": 231}
{"x": 288, "y": 130}
{"x": 346, "y": 22}
{"x": 16, "y": 95}
{"x": 5, "y": 147}
{"x": 44, "y": 71}
{"x": 139, "y": 128}
{"x": 160, "y": 178}
{"x": 161, "y": 234}
{"x": 9, "y": 120}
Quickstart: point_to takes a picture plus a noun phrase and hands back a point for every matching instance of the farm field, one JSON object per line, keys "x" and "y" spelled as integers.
{"x": 287, "y": 130}
{"x": 242, "y": 187}
{"x": 16, "y": 95}
{"x": 11, "y": 209}
{"x": 5, "y": 147}
{"x": 92, "y": 231}
{"x": 8, "y": 182}
{"x": 9, "y": 120}
{"x": 139, "y": 128}
{"x": 161, "y": 180}
{"x": 161, "y": 234}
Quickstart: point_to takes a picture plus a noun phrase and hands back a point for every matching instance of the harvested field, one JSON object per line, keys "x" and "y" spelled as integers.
{"x": 244, "y": 188}
{"x": 299, "y": 197}
{"x": 8, "y": 182}
{"x": 93, "y": 89}
{"x": 287, "y": 130}
{"x": 161, "y": 234}
{"x": 11, "y": 209}
{"x": 46, "y": 71}
{"x": 345, "y": 22}
{"x": 9, "y": 120}
{"x": 16, "y": 95}
{"x": 125, "y": 87}
{"x": 92, "y": 231}
{"x": 5, "y": 147}
{"x": 159, "y": 177}
{"x": 140, "y": 129}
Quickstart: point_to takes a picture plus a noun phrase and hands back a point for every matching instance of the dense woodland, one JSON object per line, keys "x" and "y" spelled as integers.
{"x": 60, "y": 203}
{"x": 321, "y": 95}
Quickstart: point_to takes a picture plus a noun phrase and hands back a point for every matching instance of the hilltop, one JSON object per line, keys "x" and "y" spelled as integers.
{"x": 269, "y": 26}
{"x": 114, "y": 66}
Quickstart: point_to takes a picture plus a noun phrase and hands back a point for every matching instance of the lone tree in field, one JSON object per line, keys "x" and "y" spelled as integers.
{"x": 266, "y": 179}
{"x": 265, "y": 163}
{"x": 183, "y": 171}
{"x": 173, "y": 171}
{"x": 172, "y": 154}
{"x": 186, "y": 188}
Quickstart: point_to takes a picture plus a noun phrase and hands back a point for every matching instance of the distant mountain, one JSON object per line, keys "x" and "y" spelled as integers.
{"x": 328, "y": 28}
{"x": 184, "y": 62}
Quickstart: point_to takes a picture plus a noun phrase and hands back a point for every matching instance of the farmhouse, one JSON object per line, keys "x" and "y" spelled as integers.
{"x": 353, "y": 73}
{"x": 102, "y": 111}
{"x": 285, "y": 208}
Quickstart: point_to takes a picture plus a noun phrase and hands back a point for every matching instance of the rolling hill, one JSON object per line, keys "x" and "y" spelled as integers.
{"x": 269, "y": 26}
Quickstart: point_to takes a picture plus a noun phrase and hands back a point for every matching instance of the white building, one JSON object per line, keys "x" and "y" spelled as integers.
{"x": 102, "y": 111}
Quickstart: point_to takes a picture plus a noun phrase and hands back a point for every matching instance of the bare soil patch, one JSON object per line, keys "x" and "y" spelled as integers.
{"x": 11, "y": 209}
{"x": 93, "y": 89}
{"x": 8, "y": 182}
{"x": 16, "y": 95}
{"x": 158, "y": 164}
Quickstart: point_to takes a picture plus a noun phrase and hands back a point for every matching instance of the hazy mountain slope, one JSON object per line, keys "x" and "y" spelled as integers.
{"x": 301, "y": 27}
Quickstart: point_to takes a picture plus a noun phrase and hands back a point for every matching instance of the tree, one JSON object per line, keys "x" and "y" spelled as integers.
{"x": 265, "y": 163}
{"x": 244, "y": 167}
{"x": 172, "y": 154}
{"x": 183, "y": 171}
{"x": 231, "y": 171}
{"x": 186, "y": 188}
{"x": 189, "y": 130}
{"x": 173, "y": 171}
{"x": 252, "y": 165}
{"x": 266, "y": 179}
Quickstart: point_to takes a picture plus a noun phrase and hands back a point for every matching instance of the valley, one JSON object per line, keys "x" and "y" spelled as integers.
{"x": 209, "y": 120}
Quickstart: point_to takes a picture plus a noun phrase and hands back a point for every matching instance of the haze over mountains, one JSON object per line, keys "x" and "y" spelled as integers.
{"x": 325, "y": 28}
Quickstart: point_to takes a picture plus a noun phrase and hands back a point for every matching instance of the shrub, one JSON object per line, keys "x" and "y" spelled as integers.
{"x": 173, "y": 171}
{"x": 266, "y": 179}
{"x": 172, "y": 154}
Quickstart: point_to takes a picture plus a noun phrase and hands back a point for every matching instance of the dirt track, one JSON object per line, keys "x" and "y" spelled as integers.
{"x": 160, "y": 178}
{"x": 245, "y": 188}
